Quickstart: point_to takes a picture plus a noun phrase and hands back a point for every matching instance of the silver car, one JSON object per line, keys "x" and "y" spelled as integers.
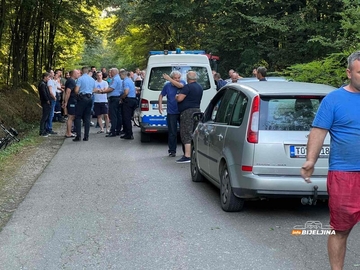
{"x": 251, "y": 142}
{"x": 254, "y": 79}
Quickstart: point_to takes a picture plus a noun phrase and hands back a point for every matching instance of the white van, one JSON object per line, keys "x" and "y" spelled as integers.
{"x": 160, "y": 62}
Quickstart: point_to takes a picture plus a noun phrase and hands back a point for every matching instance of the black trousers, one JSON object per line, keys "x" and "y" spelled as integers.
{"x": 83, "y": 111}
{"x": 129, "y": 106}
{"x": 115, "y": 114}
{"x": 46, "y": 108}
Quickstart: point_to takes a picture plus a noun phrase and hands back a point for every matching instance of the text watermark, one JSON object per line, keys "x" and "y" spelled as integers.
{"x": 313, "y": 228}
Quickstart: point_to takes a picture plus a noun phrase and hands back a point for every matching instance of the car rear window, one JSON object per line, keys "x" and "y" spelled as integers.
{"x": 157, "y": 82}
{"x": 288, "y": 113}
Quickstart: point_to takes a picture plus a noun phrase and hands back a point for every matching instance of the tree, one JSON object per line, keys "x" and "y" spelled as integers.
{"x": 34, "y": 26}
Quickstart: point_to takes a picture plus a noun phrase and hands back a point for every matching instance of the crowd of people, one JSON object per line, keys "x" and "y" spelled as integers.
{"x": 116, "y": 95}
{"x": 113, "y": 96}
{"x": 234, "y": 76}
{"x": 110, "y": 96}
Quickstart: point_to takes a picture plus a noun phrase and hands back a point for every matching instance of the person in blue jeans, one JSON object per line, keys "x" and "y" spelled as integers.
{"x": 172, "y": 117}
{"x": 52, "y": 89}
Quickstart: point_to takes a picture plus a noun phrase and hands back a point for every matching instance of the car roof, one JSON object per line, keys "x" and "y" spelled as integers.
{"x": 254, "y": 79}
{"x": 285, "y": 88}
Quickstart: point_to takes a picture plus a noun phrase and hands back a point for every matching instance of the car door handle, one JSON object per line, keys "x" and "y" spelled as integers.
{"x": 220, "y": 136}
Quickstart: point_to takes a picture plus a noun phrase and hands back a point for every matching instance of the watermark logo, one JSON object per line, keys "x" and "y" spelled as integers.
{"x": 313, "y": 228}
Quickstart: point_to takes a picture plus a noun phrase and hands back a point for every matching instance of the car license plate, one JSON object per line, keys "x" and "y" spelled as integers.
{"x": 299, "y": 151}
{"x": 156, "y": 106}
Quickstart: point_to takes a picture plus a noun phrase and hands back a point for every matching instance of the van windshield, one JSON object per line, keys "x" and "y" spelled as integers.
{"x": 157, "y": 82}
{"x": 288, "y": 113}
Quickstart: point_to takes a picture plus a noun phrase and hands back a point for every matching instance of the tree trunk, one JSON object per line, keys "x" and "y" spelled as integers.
{"x": 52, "y": 34}
{"x": 3, "y": 12}
{"x": 25, "y": 66}
{"x": 23, "y": 27}
{"x": 36, "y": 52}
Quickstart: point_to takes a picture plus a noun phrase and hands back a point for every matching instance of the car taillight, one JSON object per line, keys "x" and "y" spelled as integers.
{"x": 144, "y": 105}
{"x": 246, "y": 168}
{"x": 253, "y": 128}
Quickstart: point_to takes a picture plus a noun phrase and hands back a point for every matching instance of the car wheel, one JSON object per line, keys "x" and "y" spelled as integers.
{"x": 229, "y": 202}
{"x": 144, "y": 137}
{"x": 136, "y": 117}
{"x": 196, "y": 176}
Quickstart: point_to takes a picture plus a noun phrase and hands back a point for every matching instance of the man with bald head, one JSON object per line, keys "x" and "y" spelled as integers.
{"x": 189, "y": 99}
{"x": 70, "y": 100}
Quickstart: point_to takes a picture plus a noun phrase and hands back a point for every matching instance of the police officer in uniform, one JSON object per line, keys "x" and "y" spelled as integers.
{"x": 129, "y": 104}
{"x": 84, "y": 88}
{"x": 114, "y": 92}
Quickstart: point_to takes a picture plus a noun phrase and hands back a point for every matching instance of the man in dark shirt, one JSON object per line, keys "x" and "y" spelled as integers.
{"x": 218, "y": 81}
{"x": 261, "y": 74}
{"x": 189, "y": 100}
{"x": 70, "y": 101}
{"x": 93, "y": 72}
{"x": 45, "y": 99}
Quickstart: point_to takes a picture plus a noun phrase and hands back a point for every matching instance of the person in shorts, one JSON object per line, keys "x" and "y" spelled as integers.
{"x": 189, "y": 99}
{"x": 101, "y": 103}
{"x": 338, "y": 115}
{"x": 70, "y": 101}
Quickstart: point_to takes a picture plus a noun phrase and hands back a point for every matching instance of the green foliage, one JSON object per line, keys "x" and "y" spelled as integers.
{"x": 350, "y": 23}
{"x": 330, "y": 70}
{"x": 132, "y": 49}
{"x": 244, "y": 33}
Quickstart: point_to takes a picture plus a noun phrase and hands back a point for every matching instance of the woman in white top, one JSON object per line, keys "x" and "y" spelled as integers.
{"x": 101, "y": 102}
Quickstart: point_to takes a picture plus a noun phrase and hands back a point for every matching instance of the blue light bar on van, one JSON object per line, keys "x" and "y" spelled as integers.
{"x": 176, "y": 52}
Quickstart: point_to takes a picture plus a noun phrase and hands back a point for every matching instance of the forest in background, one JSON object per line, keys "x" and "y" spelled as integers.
{"x": 307, "y": 40}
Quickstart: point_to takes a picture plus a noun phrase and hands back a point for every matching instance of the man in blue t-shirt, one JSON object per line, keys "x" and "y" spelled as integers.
{"x": 338, "y": 115}
{"x": 189, "y": 100}
{"x": 172, "y": 117}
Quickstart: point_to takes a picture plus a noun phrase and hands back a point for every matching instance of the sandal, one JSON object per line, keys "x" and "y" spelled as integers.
{"x": 100, "y": 131}
{"x": 71, "y": 136}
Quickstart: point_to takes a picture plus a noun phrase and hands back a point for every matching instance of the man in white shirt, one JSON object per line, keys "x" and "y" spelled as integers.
{"x": 59, "y": 91}
{"x": 52, "y": 89}
{"x": 101, "y": 103}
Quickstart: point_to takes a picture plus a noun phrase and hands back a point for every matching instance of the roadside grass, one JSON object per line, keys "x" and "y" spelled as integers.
{"x": 20, "y": 165}
{"x": 16, "y": 153}
{"x": 13, "y": 156}
{"x": 19, "y": 109}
